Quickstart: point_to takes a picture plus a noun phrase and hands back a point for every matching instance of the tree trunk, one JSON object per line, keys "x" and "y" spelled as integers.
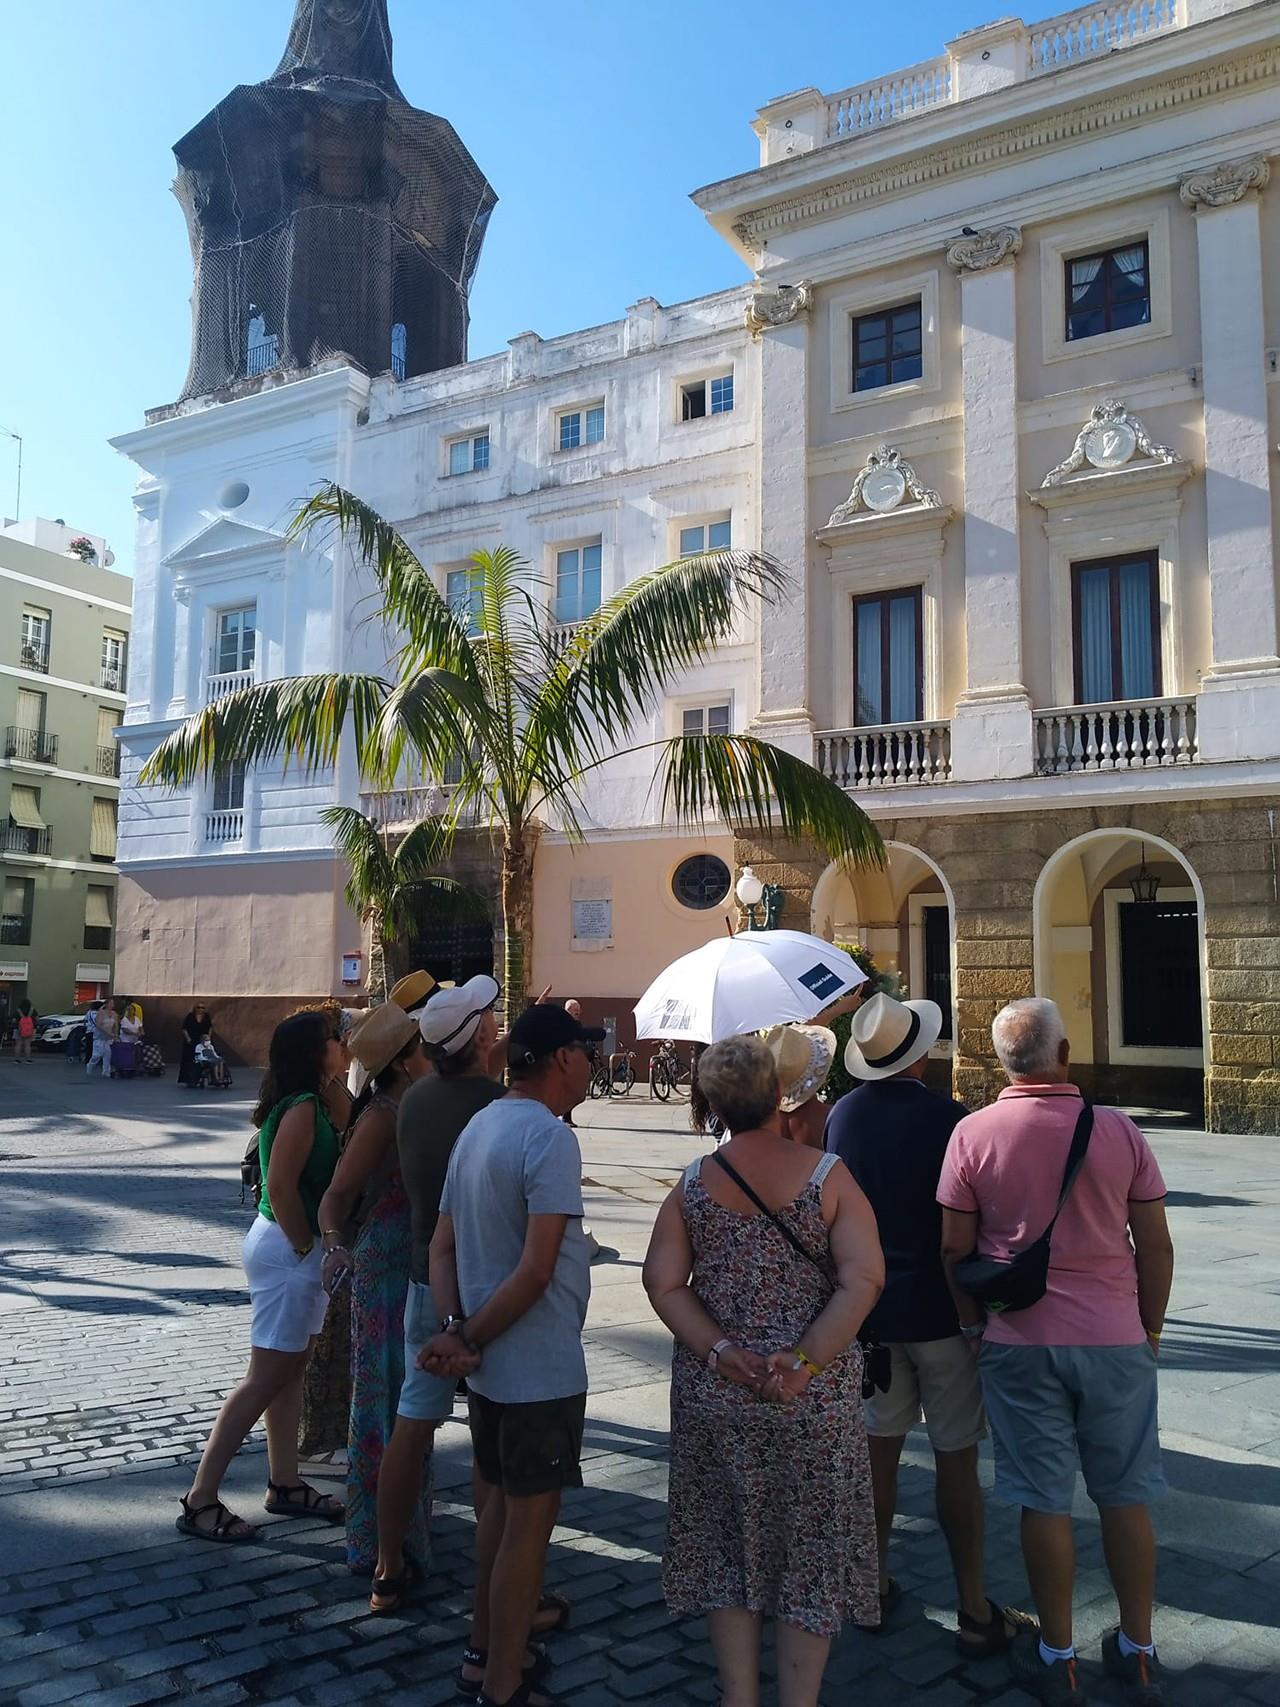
{"x": 377, "y": 975}
{"x": 518, "y": 852}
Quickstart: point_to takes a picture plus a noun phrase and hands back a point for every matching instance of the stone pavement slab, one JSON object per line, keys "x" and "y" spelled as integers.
{"x": 123, "y": 1318}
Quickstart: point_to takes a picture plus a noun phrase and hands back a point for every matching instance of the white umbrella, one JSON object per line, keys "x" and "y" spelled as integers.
{"x": 745, "y": 983}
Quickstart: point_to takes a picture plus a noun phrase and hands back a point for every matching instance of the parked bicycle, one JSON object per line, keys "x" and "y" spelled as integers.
{"x": 615, "y": 1078}
{"x": 667, "y": 1072}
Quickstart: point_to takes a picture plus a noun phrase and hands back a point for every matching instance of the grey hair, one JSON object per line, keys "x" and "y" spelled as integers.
{"x": 1028, "y": 1036}
{"x": 739, "y": 1079}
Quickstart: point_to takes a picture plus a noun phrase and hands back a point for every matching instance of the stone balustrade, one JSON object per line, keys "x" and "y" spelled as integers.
{"x": 892, "y": 755}
{"x": 1121, "y": 735}
{"x": 1090, "y": 31}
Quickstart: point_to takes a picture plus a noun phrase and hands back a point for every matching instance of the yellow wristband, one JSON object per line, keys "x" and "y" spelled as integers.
{"x": 806, "y": 1362}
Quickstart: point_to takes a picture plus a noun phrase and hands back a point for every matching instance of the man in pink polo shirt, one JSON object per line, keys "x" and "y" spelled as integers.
{"x": 1071, "y": 1381}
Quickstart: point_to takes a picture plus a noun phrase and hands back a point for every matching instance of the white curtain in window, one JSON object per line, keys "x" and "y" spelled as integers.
{"x": 1083, "y": 274}
{"x": 97, "y": 907}
{"x": 868, "y": 709}
{"x": 15, "y": 898}
{"x": 102, "y": 830}
{"x": 1095, "y": 636}
{"x": 30, "y": 713}
{"x": 107, "y": 720}
{"x": 1131, "y": 261}
{"x": 1137, "y": 662}
{"x": 24, "y": 808}
{"x": 903, "y": 669}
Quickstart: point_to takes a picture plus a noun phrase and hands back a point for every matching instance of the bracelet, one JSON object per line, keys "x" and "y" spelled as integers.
{"x": 804, "y": 1361}
{"x": 331, "y": 1233}
{"x": 303, "y": 1254}
{"x": 713, "y": 1356}
{"x": 974, "y": 1330}
{"x": 330, "y": 1249}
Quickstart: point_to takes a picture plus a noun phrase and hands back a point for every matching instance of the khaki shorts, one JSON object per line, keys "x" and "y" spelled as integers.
{"x": 940, "y": 1378}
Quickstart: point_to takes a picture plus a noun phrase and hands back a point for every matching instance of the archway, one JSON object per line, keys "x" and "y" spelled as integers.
{"x": 904, "y": 915}
{"x": 1126, "y": 965}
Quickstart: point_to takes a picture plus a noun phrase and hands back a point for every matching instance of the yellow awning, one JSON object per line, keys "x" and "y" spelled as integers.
{"x": 102, "y": 829}
{"x": 24, "y": 808}
{"x": 97, "y": 907}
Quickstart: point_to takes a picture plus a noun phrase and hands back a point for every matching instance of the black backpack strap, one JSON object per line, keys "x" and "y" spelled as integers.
{"x": 1075, "y": 1159}
{"x": 765, "y": 1210}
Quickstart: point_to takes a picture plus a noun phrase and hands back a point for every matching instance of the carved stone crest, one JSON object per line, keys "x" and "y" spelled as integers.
{"x": 1231, "y": 181}
{"x": 982, "y": 249}
{"x": 881, "y": 487}
{"x": 778, "y": 307}
{"x": 1109, "y": 439}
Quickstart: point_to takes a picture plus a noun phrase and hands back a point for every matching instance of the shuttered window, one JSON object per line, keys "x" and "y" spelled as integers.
{"x": 24, "y": 808}
{"x": 30, "y": 712}
{"x": 16, "y": 897}
{"x": 107, "y": 720}
{"x": 97, "y": 907}
{"x": 102, "y": 830}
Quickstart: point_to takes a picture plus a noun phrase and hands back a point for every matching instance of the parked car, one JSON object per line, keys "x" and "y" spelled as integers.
{"x": 55, "y": 1031}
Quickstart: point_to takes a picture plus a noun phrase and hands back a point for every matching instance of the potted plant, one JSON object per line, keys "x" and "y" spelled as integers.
{"x": 84, "y": 549}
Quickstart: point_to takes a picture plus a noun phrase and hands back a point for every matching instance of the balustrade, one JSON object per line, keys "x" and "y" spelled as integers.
{"x": 892, "y": 755}
{"x": 1122, "y": 735}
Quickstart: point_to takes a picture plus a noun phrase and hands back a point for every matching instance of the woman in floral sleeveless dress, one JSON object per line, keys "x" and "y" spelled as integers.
{"x": 770, "y": 1511}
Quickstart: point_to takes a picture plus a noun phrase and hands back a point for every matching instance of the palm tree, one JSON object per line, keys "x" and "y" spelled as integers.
{"x": 520, "y": 717}
{"x": 386, "y": 885}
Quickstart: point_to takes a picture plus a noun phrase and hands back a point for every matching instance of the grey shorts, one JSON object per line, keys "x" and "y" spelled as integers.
{"x": 1055, "y": 1409}
{"x": 424, "y": 1397}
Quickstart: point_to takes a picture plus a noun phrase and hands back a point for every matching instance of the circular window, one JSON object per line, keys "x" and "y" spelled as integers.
{"x": 701, "y": 881}
{"x": 233, "y": 494}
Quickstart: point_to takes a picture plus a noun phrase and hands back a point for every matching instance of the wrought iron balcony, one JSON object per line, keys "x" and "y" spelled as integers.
{"x": 113, "y": 678}
{"x": 15, "y": 928}
{"x": 1119, "y": 736}
{"x": 18, "y": 840}
{"x": 263, "y": 357}
{"x": 892, "y": 755}
{"x": 108, "y": 761}
{"x": 36, "y": 657}
{"x": 30, "y": 744}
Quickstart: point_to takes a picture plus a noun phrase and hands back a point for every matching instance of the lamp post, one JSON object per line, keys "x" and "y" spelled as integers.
{"x": 753, "y": 894}
{"x": 17, "y": 439}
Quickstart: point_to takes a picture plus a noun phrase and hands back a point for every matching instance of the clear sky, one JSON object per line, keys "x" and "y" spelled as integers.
{"x": 593, "y": 120}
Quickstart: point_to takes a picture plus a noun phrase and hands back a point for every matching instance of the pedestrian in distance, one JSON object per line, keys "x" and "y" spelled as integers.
{"x": 106, "y": 1028}
{"x": 195, "y": 1030}
{"x": 26, "y": 1031}
{"x": 365, "y": 1231}
{"x": 509, "y": 1268}
{"x": 1069, "y": 1367}
{"x": 763, "y": 1263}
{"x": 892, "y": 1134}
{"x": 298, "y": 1151}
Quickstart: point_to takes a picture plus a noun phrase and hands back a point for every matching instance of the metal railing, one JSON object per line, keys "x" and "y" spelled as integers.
{"x": 113, "y": 678}
{"x": 866, "y": 106}
{"x": 892, "y": 755}
{"x": 217, "y": 687}
{"x": 226, "y": 826}
{"x": 1091, "y": 31}
{"x": 108, "y": 761}
{"x": 30, "y": 744}
{"x": 1121, "y": 735}
{"x": 35, "y": 658}
{"x": 97, "y": 936}
{"x": 263, "y": 357}
{"x": 18, "y": 840}
{"x": 15, "y": 928}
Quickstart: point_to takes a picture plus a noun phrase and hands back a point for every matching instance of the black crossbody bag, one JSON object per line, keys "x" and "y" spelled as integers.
{"x": 1002, "y": 1285}
{"x": 876, "y": 1365}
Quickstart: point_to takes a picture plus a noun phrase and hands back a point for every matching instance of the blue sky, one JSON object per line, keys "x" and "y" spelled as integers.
{"x": 593, "y": 121}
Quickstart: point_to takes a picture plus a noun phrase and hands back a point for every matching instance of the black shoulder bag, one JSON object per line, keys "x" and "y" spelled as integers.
{"x": 1001, "y": 1285}
{"x": 876, "y": 1364}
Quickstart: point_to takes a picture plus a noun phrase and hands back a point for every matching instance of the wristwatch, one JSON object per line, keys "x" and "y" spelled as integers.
{"x": 974, "y": 1330}
{"x": 457, "y": 1325}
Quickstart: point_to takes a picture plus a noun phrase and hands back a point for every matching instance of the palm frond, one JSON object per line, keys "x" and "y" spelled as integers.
{"x": 372, "y": 879}
{"x": 392, "y": 883}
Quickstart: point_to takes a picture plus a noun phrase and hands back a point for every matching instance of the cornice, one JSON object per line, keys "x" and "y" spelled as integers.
{"x": 1008, "y": 142}
{"x": 297, "y": 398}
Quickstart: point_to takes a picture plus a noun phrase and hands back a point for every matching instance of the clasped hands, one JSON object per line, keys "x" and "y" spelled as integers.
{"x": 774, "y": 1378}
{"x": 445, "y": 1354}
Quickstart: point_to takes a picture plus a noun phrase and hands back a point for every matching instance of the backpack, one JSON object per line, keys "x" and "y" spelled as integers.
{"x": 251, "y": 1172}
{"x": 26, "y": 1026}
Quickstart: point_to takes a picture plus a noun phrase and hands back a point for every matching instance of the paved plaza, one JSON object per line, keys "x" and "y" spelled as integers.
{"x": 123, "y": 1320}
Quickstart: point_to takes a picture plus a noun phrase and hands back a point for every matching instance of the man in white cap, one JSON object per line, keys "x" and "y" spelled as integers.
{"x": 892, "y": 1134}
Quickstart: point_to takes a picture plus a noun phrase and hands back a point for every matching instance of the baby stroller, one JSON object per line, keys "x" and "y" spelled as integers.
{"x": 210, "y": 1068}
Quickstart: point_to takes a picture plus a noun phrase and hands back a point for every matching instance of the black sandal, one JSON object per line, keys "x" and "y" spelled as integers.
{"x": 552, "y": 1602}
{"x": 389, "y": 1594}
{"x": 994, "y": 1636}
{"x": 478, "y": 1658}
{"x": 221, "y": 1530}
{"x": 280, "y": 1503}
{"x": 523, "y": 1697}
{"x": 888, "y": 1600}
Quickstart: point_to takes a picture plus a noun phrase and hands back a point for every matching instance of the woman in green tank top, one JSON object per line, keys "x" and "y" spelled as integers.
{"x": 298, "y": 1150}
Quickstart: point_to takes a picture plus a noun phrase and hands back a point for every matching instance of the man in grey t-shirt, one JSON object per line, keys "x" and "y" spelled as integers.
{"x": 510, "y": 1270}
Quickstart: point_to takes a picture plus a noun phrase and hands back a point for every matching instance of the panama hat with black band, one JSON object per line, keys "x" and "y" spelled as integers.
{"x": 886, "y": 1037}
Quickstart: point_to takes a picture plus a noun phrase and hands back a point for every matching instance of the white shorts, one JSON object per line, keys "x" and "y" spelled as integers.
{"x": 287, "y": 1298}
{"x": 939, "y": 1377}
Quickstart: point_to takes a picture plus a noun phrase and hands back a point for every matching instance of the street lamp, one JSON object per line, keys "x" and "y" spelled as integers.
{"x": 1144, "y": 884}
{"x": 17, "y": 439}
{"x": 751, "y": 893}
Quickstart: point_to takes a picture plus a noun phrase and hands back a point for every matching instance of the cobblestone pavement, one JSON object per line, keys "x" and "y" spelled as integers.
{"x": 123, "y": 1321}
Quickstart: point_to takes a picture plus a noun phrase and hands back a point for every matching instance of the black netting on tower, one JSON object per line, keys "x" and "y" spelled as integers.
{"x": 326, "y": 215}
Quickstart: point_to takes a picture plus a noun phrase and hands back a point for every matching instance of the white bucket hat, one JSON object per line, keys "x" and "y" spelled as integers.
{"x": 805, "y": 1055}
{"x": 887, "y": 1036}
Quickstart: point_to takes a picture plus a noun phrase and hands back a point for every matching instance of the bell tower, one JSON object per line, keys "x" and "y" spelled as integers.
{"x": 327, "y": 217}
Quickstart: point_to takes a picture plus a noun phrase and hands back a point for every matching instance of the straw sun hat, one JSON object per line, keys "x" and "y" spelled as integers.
{"x": 379, "y": 1035}
{"x": 412, "y": 990}
{"x": 805, "y": 1055}
{"x": 885, "y": 1036}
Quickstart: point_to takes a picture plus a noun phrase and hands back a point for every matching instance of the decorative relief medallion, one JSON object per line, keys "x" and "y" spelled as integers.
{"x": 1109, "y": 439}
{"x": 881, "y": 487}
{"x": 1219, "y": 186}
{"x": 778, "y": 307}
{"x": 979, "y": 250}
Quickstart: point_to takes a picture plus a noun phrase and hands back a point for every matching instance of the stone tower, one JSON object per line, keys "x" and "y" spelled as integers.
{"x": 327, "y": 216}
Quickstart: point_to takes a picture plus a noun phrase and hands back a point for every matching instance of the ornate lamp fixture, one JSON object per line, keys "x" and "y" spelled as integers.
{"x": 1144, "y": 884}
{"x": 753, "y": 894}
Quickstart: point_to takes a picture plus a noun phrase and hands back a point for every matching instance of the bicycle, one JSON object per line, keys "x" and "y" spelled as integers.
{"x": 666, "y": 1071}
{"x": 616, "y": 1078}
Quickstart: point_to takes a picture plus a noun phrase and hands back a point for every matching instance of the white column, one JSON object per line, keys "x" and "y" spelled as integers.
{"x": 991, "y": 729}
{"x": 1240, "y": 701}
{"x": 779, "y": 318}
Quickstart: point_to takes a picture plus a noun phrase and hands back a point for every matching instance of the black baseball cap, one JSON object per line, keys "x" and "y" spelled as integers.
{"x": 544, "y": 1028}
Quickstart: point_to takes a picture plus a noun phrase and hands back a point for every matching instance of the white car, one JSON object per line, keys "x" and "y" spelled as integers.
{"x": 53, "y": 1031}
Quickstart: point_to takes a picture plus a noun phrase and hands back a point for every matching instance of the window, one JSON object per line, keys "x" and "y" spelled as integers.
{"x": 27, "y": 832}
{"x": 462, "y": 595}
{"x": 26, "y": 738}
{"x": 581, "y": 427}
{"x": 399, "y": 350}
{"x": 36, "y": 627}
{"x": 235, "y": 641}
{"x": 262, "y": 347}
{"x": 469, "y": 455}
{"x": 706, "y": 536}
{"x": 97, "y": 917}
{"x": 706, "y": 720}
{"x": 888, "y": 346}
{"x": 19, "y": 899}
{"x": 706, "y": 397}
{"x": 102, "y": 830}
{"x": 577, "y": 582}
{"x": 228, "y": 789}
{"x": 114, "y": 650}
{"x": 1108, "y": 290}
{"x": 888, "y": 682}
{"x": 701, "y": 881}
{"x": 1116, "y": 624}
{"x": 108, "y": 753}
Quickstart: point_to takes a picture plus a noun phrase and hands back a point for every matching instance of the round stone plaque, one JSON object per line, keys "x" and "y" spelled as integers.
{"x": 884, "y": 489}
{"x": 1111, "y": 444}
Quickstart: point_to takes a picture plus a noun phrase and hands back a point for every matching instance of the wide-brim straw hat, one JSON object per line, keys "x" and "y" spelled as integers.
{"x": 886, "y": 1037}
{"x": 412, "y": 990}
{"x": 379, "y": 1036}
{"x": 805, "y": 1055}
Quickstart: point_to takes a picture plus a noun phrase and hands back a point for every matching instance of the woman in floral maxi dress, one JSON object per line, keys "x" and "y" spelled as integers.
{"x": 770, "y": 1511}
{"x": 389, "y": 1045}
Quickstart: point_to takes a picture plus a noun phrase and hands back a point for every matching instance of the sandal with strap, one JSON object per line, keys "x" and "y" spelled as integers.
{"x": 995, "y": 1636}
{"x": 476, "y": 1659}
{"x": 280, "y": 1502}
{"x": 222, "y": 1529}
{"x": 552, "y": 1602}
{"x": 526, "y": 1696}
{"x": 389, "y": 1594}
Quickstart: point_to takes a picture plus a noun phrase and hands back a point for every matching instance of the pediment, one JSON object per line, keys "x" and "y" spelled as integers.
{"x": 222, "y": 538}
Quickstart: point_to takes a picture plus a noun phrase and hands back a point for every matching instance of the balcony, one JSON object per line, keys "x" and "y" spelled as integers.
{"x": 33, "y": 745}
{"x": 1120, "y": 736}
{"x": 561, "y": 633}
{"x": 17, "y": 840}
{"x": 108, "y": 761}
{"x": 15, "y": 928}
{"x": 35, "y": 657}
{"x": 113, "y": 677}
{"x": 893, "y": 755}
{"x": 223, "y": 827}
{"x": 218, "y": 686}
{"x": 263, "y": 357}
{"x": 97, "y": 937}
